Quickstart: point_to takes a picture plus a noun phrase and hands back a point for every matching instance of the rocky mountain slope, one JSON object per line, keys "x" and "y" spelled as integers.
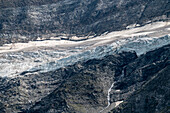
{"x": 142, "y": 84}
{"x": 84, "y": 86}
{"x": 23, "y": 20}
{"x": 84, "y": 56}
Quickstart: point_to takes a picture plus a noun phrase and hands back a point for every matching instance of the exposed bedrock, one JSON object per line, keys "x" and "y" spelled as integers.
{"x": 21, "y": 21}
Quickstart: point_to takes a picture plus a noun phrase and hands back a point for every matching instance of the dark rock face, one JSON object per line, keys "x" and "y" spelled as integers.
{"x": 21, "y": 21}
{"x": 146, "y": 79}
{"x": 74, "y": 86}
{"x": 85, "y": 90}
{"x": 153, "y": 97}
{"x": 144, "y": 86}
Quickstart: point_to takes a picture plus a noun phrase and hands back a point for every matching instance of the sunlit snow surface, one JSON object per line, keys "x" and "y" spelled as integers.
{"x": 52, "y": 54}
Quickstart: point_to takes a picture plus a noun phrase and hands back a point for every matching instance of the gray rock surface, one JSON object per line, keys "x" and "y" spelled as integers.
{"x": 21, "y": 21}
{"x": 147, "y": 80}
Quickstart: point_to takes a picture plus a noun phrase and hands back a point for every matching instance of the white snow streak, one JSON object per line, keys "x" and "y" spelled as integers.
{"x": 108, "y": 96}
{"x": 118, "y": 102}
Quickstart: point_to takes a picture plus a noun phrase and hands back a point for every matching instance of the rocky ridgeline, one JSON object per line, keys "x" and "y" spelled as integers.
{"x": 21, "y": 21}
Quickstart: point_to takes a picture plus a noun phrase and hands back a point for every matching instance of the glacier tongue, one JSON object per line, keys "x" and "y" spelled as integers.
{"x": 48, "y": 55}
{"x": 140, "y": 45}
{"x": 13, "y": 64}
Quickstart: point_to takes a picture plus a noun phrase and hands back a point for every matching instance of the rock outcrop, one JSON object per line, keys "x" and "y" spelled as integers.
{"x": 153, "y": 97}
{"x": 147, "y": 78}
